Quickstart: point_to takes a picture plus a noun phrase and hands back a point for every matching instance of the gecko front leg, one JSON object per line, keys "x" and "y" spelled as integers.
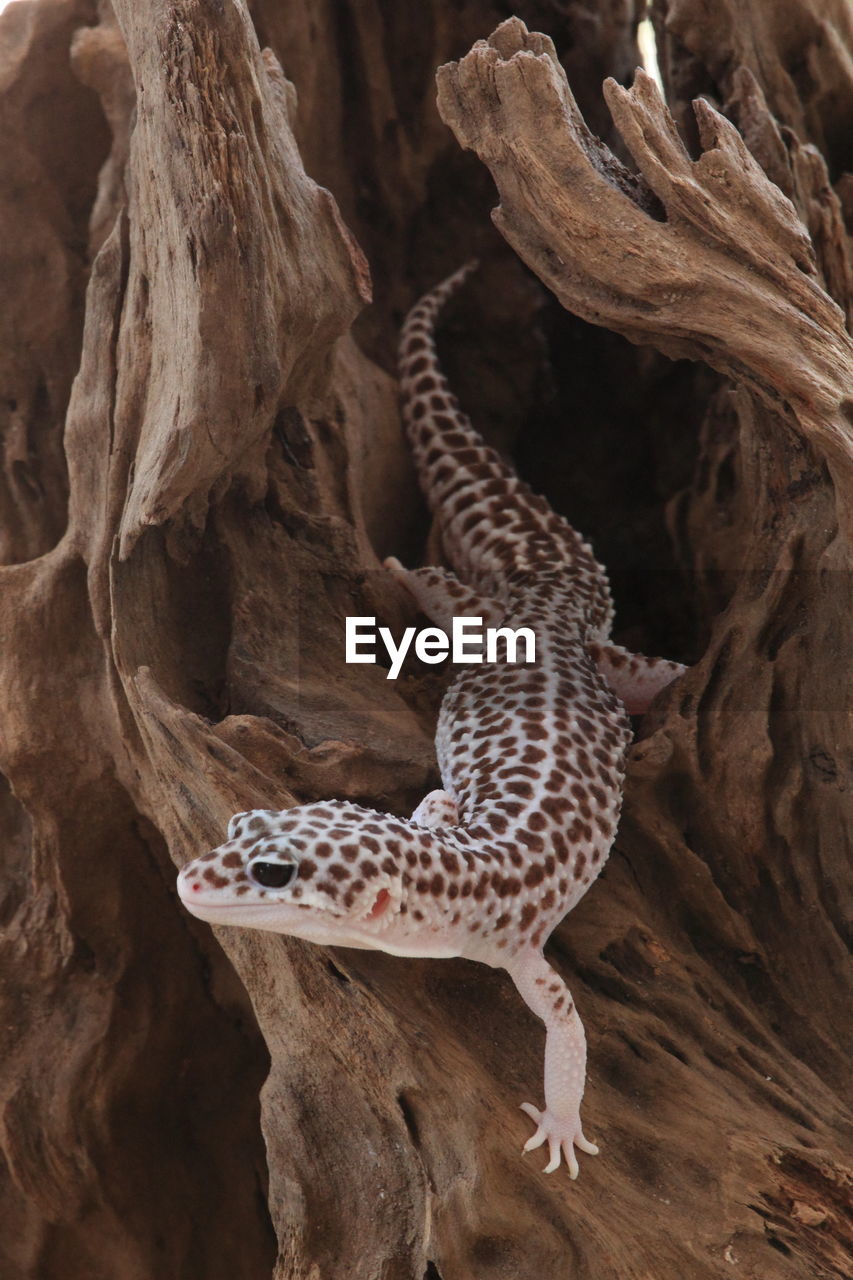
{"x": 559, "y": 1124}
{"x": 437, "y": 809}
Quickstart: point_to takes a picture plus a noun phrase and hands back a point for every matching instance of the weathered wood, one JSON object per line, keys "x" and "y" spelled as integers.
{"x": 171, "y": 643}
{"x": 703, "y": 258}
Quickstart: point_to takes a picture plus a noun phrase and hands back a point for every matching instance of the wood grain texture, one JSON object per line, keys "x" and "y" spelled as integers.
{"x": 176, "y": 578}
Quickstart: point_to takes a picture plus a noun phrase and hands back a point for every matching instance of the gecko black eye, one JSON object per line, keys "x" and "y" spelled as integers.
{"x": 273, "y": 875}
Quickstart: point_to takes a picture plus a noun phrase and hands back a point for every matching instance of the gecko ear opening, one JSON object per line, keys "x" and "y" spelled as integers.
{"x": 379, "y": 898}
{"x": 381, "y": 905}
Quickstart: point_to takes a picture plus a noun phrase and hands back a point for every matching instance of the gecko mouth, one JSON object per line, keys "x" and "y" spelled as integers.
{"x": 205, "y": 902}
{"x": 209, "y": 906}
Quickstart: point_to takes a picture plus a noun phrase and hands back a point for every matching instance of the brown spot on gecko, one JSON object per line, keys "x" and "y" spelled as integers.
{"x": 528, "y": 915}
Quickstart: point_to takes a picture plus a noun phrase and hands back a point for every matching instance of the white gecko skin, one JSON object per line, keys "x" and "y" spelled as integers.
{"x": 532, "y": 758}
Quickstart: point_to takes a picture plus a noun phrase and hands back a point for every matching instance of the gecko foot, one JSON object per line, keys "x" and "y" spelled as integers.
{"x": 562, "y": 1134}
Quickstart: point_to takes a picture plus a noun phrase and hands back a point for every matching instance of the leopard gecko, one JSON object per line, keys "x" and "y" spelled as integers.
{"x": 531, "y": 756}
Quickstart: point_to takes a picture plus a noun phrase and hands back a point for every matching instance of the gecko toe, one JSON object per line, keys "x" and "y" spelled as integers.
{"x": 541, "y": 1133}
{"x": 554, "y": 1152}
{"x": 571, "y": 1159}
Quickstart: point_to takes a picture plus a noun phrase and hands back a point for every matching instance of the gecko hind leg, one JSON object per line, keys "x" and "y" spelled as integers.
{"x": 635, "y": 679}
{"x": 442, "y": 597}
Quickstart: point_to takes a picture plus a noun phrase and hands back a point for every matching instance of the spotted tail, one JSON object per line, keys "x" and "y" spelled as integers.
{"x": 491, "y": 523}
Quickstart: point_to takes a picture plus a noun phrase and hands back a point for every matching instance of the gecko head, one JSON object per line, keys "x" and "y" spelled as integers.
{"x": 323, "y": 872}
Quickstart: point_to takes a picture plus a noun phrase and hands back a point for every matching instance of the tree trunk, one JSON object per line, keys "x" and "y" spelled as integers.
{"x": 202, "y": 468}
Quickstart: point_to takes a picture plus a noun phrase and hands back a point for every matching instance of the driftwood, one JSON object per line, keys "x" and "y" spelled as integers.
{"x": 185, "y": 528}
